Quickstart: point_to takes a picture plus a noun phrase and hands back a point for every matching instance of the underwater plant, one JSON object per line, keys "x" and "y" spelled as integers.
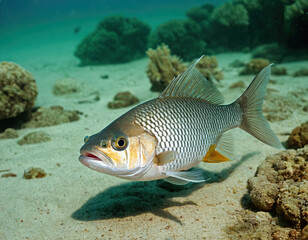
{"x": 116, "y": 39}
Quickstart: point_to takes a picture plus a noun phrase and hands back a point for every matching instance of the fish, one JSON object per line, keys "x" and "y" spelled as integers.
{"x": 166, "y": 137}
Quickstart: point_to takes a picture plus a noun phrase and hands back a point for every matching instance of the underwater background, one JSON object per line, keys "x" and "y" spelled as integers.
{"x": 69, "y": 68}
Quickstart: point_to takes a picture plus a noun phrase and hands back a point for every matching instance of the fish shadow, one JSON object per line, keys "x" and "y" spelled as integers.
{"x": 134, "y": 198}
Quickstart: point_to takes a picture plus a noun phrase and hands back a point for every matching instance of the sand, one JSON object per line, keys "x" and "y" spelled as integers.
{"x": 74, "y": 202}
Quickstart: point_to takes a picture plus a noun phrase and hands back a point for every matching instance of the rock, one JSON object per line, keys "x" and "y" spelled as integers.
{"x": 238, "y": 84}
{"x": 301, "y": 72}
{"x": 18, "y": 90}
{"x": 32, "y": 173}
{"x": 279, "y": 71}
{"x": 66, "y": 86}
{"x": 163, "y": 67}
{"x": 254, "y": 66}
{"x": 281, "y": 184}
{"x": 54, "y": 115}
{"x": 33, "y": 138}
{"x": 9, "y": 133}
{"x": 123, "y": 99}
{"x": 299, "y": 136}
{"x": 274, "y": 52}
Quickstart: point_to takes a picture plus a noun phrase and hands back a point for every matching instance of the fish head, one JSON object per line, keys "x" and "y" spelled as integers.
{"x": 121, "y": 149}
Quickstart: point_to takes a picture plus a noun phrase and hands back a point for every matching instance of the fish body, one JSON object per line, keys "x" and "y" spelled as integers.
{"x": 165, "y": 137}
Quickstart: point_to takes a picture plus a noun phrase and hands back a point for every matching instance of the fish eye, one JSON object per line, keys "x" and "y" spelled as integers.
{"x": 120, "y": 143}
{"x": 86, "y": 138}
{"x": 103, "y": 144}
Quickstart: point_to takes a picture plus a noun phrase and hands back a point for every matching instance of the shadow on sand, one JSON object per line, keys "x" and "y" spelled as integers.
{"x": 133, "y": 198}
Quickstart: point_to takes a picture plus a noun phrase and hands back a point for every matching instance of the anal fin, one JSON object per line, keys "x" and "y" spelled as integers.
{"x": 213, "y": 156}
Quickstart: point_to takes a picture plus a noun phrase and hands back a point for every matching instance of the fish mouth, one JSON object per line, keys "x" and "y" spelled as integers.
{"x": 95, "y": 159}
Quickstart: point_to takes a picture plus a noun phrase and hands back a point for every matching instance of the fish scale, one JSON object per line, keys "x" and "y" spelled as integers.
{"x": 186, "y": 126}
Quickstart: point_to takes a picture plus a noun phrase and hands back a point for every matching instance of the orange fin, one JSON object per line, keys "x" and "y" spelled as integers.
{"x": 213, "y": 156}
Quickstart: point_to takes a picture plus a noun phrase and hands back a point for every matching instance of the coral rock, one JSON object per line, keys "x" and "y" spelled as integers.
{"x": 123, "y": 99}
{"x": 163, "y": 67}
{"x": 238, "y": 84}
{"x": 18, "y": 90}
{"x": 279, "y": 71}
{"x": 255, "y": 66}
{"x": 54, "y": 115}
{"x": 32, "y": 173}
{"x": 208, "y": 66}
{"x": 281, "y": 182}
{"x": 299, "y": 136}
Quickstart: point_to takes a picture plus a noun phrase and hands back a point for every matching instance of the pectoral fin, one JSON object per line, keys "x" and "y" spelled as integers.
{"x": 165, "y": 157}
{"x": 213, "y": 156}
{"x": 183, "y": 177}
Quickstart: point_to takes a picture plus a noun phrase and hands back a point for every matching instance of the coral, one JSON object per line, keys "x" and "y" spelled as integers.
{"x": 274, "y": 52}
{"x": 65, "y": 86}
{"x": 301, "y": 72}
{"x": 54, "y": 115}
{"x": 279, "y": 71}
{"x": 238, "y": 84}
{"x": 254, "y": 66}
{"x": 33, "y": 138}
{"x": 228, "y": 25}
{"x": 163, "y": 67}
{"x": 123, "y": 99}
{"x": 281, "y": 182}
{"x": 296, "y": 23}
{"x": 208, "y": 67}
{"x": 32, "y": 173}
{"x": 9, "y": 133}
{"x": 299, "y": 136}
{"x": 116, "y": 39}
{"x": 182, "y": 36}
{"x": 277, "y": 107}
{"x": 18, "y": 90}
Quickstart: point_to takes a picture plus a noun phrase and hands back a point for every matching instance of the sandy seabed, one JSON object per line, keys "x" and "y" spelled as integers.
{"x": 74, "y": 202}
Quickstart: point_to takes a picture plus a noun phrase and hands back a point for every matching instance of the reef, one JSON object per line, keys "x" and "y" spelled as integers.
{"x": 254, "y": 66}
{"x": 54, "y": 115}
{"x": 299, "y": 136}
{"x": 280, "y": 184}
{"x": 237, "y": 64}
{"x": 18, "y": 90}
{"x": 163, "y": 67}
{"x": 208, "y": 68}
{"x": 274, "y": 52}
{"x": 116, "y": 39}
{"x": 33, "y": 173}
{"x": 34, "y": 138}
{"x": 9, "y": 133}
{"x": 301, "y": 72}
{"x": 123, "y": 99}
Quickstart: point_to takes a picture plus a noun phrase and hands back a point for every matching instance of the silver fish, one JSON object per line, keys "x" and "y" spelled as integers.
{"x": 186, "y": 124}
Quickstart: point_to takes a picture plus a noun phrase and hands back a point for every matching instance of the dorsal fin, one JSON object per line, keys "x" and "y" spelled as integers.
{"x": 192, "y": 84}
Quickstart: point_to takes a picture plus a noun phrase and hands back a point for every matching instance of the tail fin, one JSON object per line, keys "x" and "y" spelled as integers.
{"x": 251, "y": 102}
